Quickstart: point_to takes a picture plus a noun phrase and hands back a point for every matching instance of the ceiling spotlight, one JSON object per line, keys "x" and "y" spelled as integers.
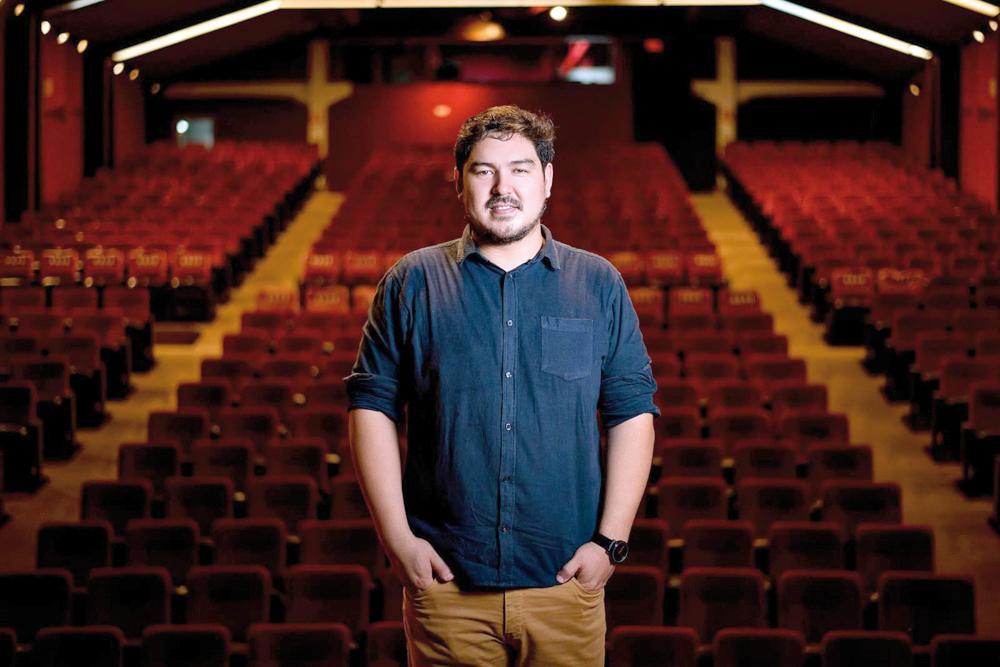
{"x": 154, "y": 89}
{"x": 480, "y": 28}
{"x": 82, "y": 45}
{"x": 18, "y": 9}
{"x": 46, "y": 27}
{"x": 62, "y": 38}
{"x": 914, "y": 90}
{"x": 182, "y": 126}
{"x": 558, "y": 13}
{"x": 133, "y": 74}
{"x": 441, "y": 111}
{"x": 994, "y": 25}
{"x": 978, "y": 36}
{"x": 118, "y": 68}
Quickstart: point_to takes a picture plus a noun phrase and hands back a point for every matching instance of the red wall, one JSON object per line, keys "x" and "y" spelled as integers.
{"x": 978, "y": 132}
{"x": 129, "y": 118}
{"x": 383, "y": 115}
{"x": 918, "y": 114}
{"x": 61, "y": 112}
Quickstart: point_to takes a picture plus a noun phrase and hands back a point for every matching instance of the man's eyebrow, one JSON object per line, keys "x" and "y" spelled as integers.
{"x": 473, "y": 165}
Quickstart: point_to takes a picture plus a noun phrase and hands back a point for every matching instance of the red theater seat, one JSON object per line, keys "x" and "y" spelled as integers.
{"x": 682, "y": 499}
{"x": 713, "y": 599}
{"x": 738, "y": 647}
{"x": 234, "y": 596}
{"x": 98, "y": 646}
{"x": 76, "y": 546}
{"x": 35, "y": 599}
{"x": 717, "y": 543}
{"x": 814, "y": 602}
{"x": 860, "y": 648}
{"x": 116, "y": 502}
{"x": 924, "y": 605}
{"x": 251, "y": 542}
{"x": 633, "y": 596}
{"x": 129, "y": 598}
{"x": 168, "y": 543}
{"x": 185, "y": 646}
{"x": 290, "y": 644}
{"x": 646, "y": 646}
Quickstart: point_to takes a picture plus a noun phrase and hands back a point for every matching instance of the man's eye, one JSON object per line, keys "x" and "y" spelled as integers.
{"x": 520, "y": 171}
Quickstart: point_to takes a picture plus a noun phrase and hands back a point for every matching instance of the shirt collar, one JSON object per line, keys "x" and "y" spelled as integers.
{"x": 550, "y": 253}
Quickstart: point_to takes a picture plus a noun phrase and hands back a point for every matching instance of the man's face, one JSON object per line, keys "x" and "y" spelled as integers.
{"x": 504, "y": 187}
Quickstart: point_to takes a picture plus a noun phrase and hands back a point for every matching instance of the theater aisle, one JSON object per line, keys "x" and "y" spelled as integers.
{"x": 964, "y": 542}
{"x": 157, "y": 390}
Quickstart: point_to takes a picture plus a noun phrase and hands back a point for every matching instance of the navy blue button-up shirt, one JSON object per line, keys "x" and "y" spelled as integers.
{"x": 502, "y": 375}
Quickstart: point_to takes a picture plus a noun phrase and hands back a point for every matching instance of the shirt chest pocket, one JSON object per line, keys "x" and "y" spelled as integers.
{"x": 567, "y": 347}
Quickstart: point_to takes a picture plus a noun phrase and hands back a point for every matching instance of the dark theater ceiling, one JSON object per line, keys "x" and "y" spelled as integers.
{"x": 114, "y": 24}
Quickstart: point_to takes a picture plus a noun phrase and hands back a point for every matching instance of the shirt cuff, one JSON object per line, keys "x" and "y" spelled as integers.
{"x": 627, "y": 396}
{"x": 374, "y": 392}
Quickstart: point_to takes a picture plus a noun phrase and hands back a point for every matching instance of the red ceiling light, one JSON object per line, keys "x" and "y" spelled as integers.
{"x": 652, "y": 45}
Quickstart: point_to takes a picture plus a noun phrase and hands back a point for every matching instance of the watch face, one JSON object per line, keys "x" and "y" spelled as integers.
{"x": 618, "y": 551}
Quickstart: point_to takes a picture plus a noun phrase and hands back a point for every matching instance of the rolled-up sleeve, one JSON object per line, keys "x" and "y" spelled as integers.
{"x": 627, "y": 384}
{"x": 374, "y": 382}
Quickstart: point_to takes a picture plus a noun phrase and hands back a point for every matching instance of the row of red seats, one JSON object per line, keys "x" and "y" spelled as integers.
{"x": 186, "y": 224}
{"x": 210, "y": 645}
{"x": 710, "y": 600}
{"x": 832, "y": 219}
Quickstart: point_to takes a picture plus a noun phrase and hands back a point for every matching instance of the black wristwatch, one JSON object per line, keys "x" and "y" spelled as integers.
{"x": 617, "y": 549}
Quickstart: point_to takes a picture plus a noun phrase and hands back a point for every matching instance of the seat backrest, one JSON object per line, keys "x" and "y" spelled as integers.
{"x": 76, "y": 546}
{"x": 850, "y": 503}
{"x": 763, "y": 460}
{"x": 203, "y": 499}
{"x": 645, "y": 646}
{"x": 764, "y": 501}
{"x": 682, "y": 499}
{"x": 712, "y": 599}
{"x": 168, "y": 543}
{"x": 180, "y": 427}
{"x": 329, "y": 594}
{"x": 957, "y": 650}
{"x": 185, "y": 646}
{"x": 805, "y": 545}
{"x": 236, "y": 596}
{"x": 746, "y": 647}
{"x": 224, "y": 458}
{"x": 299, "y": 645}
{"x": 251, "y": 542}
{"x": 340, "y": 541}
{"x": 834, "y": 462}
{"x": 689, "y": 458}
{"x": 924, "y": 605}
{"x": 291, "y": 498}
{"x": 98, "y": 646}
{"x": 116, "y": 502}
{"x": 633, "y": 596}
{"x": 862, "y": 648}
{"x": 886, "y": 547}
{"x": 386, "y": 645}
{"x": 718, "y": 543}
{"x": 17, "y": 403}
{"x": 299, "y": 457}
{"x": 134, "y": 303}
{"x": 154, "y": 462}
{"x": 35, "y": 599}
{"x": 129, "y": 598}
{"x": 814, "y": 602}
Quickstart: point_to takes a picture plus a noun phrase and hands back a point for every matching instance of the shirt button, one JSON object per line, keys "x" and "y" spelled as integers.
{"x": 508, "y": 375}
{"x": 508, "y": 426}
{"x": 504, "y": 529}
{"x": 510, "y": 323}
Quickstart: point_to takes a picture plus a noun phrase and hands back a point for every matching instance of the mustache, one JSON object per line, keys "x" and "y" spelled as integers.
{"x": 501, "y": 200}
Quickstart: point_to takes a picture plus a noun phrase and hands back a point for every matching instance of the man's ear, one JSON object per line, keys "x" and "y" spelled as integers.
{"x": 458, "y": 181}
{"x": 548, "y": 180}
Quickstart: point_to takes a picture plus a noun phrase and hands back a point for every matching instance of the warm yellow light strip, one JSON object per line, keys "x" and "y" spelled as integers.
{"x": 978, "y": 6}
{"x": 849, "y": 28}
{"x": 197, "y": 30}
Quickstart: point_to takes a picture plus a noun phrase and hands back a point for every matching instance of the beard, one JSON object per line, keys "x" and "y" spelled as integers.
{"x": 484, "y": 235}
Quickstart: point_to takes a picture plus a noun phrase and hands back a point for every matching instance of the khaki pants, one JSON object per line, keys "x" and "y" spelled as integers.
{"x": 560, "y": 625}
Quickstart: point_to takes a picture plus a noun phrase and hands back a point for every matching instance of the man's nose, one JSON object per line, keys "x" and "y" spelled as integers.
{"x": 502, "y": 184}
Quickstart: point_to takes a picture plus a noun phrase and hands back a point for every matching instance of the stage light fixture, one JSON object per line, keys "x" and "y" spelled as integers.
{"x": 979, "y": 36}
{"x": 183, "y": 126}
{"x": 196, "y": 30}
{"x": 133, "y": 74}
{"x": 45, "y": 27}
{"x": 18, "y": 9}
{"x": 62, "y": 38}
{"x": 155, "y": 89}
{"x": 914, "y": 90}
{"x": 118, "y": 68}
{"x": 82, "y": 45}
{"x": 994, "y": 25}
{"x": 978, "y": 6}
{"x": 849, "y": 28}
{"x": 558, "y": 13}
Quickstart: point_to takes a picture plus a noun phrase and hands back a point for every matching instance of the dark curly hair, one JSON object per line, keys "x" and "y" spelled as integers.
{"x": 506, "y": 120}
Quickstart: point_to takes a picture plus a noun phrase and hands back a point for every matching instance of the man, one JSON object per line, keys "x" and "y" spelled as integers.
{"x": 503, "y": 345}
